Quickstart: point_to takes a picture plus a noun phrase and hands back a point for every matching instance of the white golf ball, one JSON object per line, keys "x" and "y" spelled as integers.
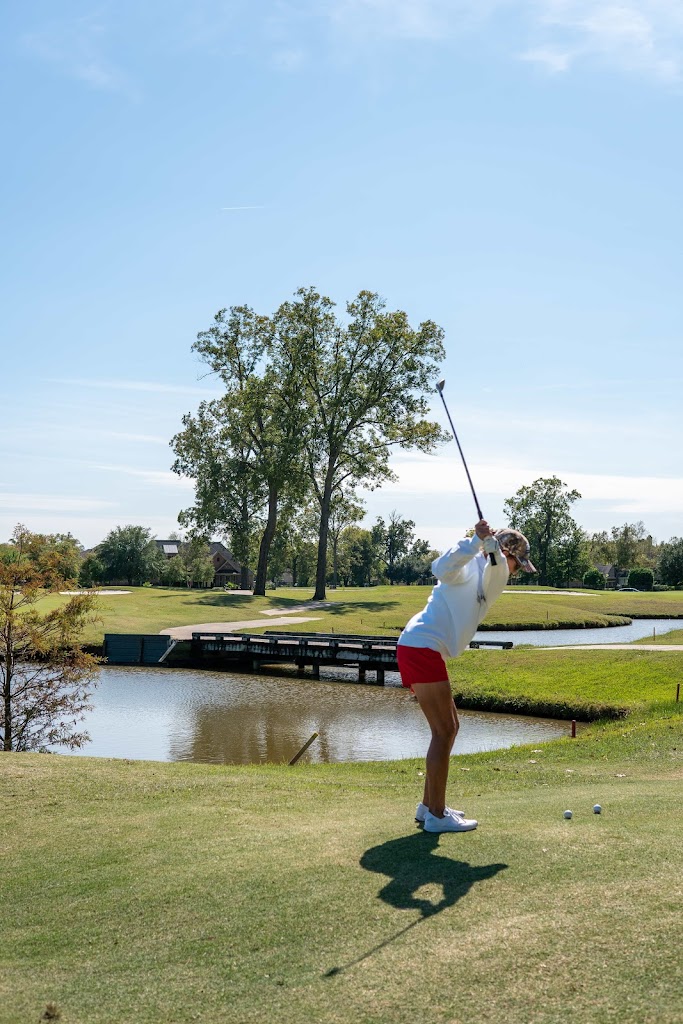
{"x": 597, "y": 809}
{"x": 568, "y": 814}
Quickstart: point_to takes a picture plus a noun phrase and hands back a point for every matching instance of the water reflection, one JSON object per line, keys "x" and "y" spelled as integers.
{"x": 229, "y": 718}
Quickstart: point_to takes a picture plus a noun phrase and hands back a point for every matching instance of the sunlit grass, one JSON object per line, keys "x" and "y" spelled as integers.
{"x": 154, "y": 892}
{"x": 372, "y": 610}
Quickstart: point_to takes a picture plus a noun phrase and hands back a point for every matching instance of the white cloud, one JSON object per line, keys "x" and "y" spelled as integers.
{"x": 642, "y": 35}
{"x": 444, "y": 475}
{"x": 155, "y": 477}
{"x": 552, "y": 60}
{"x": 135, "y": 385}
{"x": 89, "y": 530}
{"x": 76, "y": 48}
{"x": 50, "y": 503}
{"x": 633, "y": 35}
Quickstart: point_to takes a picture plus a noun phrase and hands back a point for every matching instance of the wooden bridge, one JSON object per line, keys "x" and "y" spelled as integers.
{"x": 373, "y": 654}
{"x": 376, "y": 654}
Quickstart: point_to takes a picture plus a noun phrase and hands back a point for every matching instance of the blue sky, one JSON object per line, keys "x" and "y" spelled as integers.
{"x": 509, "y": 169}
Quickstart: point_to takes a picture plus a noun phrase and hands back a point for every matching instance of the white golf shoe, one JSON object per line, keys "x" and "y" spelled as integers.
{"x": 451, "y": 822}
{"x": 421, "y": 812}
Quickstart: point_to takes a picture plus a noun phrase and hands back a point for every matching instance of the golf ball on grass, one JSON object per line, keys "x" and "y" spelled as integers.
{"x": 597, "y": 809}
{"x": 568, "y": 814}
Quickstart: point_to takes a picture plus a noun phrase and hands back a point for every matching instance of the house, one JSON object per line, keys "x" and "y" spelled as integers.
{"x": 614, "y": 576}
{"x": 226, "y": 568}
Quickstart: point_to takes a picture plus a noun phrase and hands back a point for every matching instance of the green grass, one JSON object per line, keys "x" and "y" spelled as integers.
{"x": 176, "y": 892}
{"x": 565, "y": 683}
{"x": 373, "y": 610}
{"x": 152, "y": 892}
{"x": 674, "y": 636}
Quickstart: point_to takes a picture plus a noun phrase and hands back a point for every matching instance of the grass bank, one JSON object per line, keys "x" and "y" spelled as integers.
{"x": 177, "y": 892}
{"x": 674, "y": 636}
{"x": 586, "y": 685}
{"x": 373, "y": 610}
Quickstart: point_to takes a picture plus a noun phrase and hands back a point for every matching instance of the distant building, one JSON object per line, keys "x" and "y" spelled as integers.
{"x": 226, "y": 568}
{"x": 614, "y": 576}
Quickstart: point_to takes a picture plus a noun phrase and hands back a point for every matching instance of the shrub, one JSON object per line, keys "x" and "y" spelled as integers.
{"x": 594, "y": 580}
{"x": 641, "y": 579}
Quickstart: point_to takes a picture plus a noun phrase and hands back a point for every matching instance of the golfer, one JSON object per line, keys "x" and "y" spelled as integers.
{"x": 467, "y": 586}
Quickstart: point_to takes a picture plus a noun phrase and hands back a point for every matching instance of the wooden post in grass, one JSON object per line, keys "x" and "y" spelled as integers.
{"x": 678, "y": 692}
{"x": 573, "y": 728}
{"x": 304, "y": 748}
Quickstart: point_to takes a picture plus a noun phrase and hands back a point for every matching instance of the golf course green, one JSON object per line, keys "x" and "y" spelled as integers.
{"x": 147, "y": 892}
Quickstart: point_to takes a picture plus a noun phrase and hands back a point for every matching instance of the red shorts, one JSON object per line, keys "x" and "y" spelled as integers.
{"x": 420, "y": 665}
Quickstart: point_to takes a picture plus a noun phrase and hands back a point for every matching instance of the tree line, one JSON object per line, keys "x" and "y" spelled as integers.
{"x": 563, "y": 552}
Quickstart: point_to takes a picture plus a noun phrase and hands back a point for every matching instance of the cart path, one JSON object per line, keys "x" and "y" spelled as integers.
{"x": 185, "y": 632}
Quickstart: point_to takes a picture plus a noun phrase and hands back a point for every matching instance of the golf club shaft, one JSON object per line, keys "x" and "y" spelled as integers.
{"x": 439, "y": 388}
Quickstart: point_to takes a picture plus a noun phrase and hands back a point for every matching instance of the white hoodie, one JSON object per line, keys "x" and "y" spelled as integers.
{"x": 468, "y": 585}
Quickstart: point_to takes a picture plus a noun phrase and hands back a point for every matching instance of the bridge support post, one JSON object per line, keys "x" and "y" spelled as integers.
{"x": 380, "y": 677}
{"x": 316, "y": 670}
{"x": 361, "y": 673}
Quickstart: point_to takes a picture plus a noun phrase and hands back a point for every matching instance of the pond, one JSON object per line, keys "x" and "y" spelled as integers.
{"x": 232, "y": 718}
{"x": 638, "y": 629}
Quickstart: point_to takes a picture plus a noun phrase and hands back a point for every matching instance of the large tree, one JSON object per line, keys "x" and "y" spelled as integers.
{"x": 393, "y": 541}
{"x": 56, "y": 555}
{"x": 244, "y": 449}
{"x": 129, "y": 553}
{"x": 365, "y": 383}
{"x": 345, "y": 510}
{"x": 45, "y": 676}
{"x": 624, "y": 546}
{"x": 229, "y": 495}
{"x": 542, "y": 511}
{"x": 670, "y": 566}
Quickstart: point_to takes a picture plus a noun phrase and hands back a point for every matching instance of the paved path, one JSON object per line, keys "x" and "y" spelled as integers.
{"x": 299, "y": 608}
{"x": 185, "y": 632}
{"x": 549, "y": 593}
{"x": 615, "y": 647}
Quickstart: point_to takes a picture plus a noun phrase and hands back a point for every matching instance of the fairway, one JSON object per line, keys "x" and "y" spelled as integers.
{"x": 149, "y": 892}
{"x": 371, "y": 610}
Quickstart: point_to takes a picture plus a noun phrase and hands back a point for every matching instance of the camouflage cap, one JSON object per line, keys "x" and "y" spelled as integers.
{"x": 518, "y": 546}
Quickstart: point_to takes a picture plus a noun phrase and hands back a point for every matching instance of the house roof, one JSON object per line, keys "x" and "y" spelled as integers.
{"x": 169, "y": 547}
{"x": 229, "y": 564}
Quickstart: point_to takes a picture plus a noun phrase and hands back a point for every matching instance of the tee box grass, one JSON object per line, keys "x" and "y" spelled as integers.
{"x": 179, "y": 892}
{"x": 154, "y": 892}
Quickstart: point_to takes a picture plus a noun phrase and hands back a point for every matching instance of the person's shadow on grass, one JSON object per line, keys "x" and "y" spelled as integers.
{"x": 411, "y": 864}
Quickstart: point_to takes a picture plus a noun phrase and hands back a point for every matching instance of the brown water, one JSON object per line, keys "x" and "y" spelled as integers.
{"x": 230, "y": 718}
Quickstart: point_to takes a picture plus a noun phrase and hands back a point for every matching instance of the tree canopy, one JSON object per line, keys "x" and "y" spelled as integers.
{"x": 129, "y": 553}
{"x": 670, "y": 566}
{"x": 312, "y": 405}
{"x": 542, "y": 512}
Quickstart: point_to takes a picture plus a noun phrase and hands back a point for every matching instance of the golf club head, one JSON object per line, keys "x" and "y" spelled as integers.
{"x": 440, "y": 385}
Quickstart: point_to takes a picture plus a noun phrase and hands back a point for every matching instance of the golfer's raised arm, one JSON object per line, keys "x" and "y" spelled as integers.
{"x": 457, "y": 557}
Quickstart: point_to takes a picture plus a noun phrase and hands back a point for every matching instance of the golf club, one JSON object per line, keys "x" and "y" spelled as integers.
{"x": 439, "y": 387}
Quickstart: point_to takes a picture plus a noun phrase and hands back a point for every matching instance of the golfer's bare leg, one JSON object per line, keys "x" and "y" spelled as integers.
{"x": 436, "y": 701}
